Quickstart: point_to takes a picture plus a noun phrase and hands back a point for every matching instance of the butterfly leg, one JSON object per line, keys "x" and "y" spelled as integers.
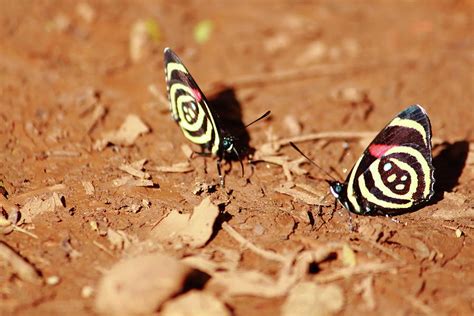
{"x": 350, "y": 223}
{"x": 395, "y": 220}
{"x": 202, "y": 154}
{"x": 221, "y": 178}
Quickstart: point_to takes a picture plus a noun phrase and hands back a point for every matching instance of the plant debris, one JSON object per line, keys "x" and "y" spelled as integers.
{"x": 20, "y": 266}
{"x": 136, "y": 178}
{"x": 126, "y": 135}
{"x": 195, "y": 303}
{"x": 308, "y": 298}
{"x": 88, "y": 187}
{"x": 192, "y": 229}
{"x": 290, "y": 189}
{"x": 180, "y": 167}
{"x": 140, "y": 285}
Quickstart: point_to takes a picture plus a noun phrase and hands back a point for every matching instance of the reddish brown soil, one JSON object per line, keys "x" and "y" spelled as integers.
{"x": 398, "y": 52}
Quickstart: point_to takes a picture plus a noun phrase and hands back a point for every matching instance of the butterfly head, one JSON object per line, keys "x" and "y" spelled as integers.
{"x": 227, "y": 147}
{"x": 337, "y": 188}
{"x": 339, "y": 191}
{"x": 227, "y": 144}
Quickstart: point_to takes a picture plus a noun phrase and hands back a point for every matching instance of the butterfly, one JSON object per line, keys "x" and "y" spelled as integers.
{"x": 190, "y": 109}
{"x": 395, "y": 174}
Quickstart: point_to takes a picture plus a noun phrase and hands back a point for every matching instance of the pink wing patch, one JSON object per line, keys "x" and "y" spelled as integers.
{"x": 378, "y": 150}
{"x": 197, "y": 95}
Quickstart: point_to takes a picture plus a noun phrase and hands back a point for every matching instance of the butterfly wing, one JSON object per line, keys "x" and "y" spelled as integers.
{"x": 188, "y": 105}
{"x": 395, "y": 172}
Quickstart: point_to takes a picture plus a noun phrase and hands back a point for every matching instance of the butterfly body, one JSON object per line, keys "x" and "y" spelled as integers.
{"x": 395, "y": 173}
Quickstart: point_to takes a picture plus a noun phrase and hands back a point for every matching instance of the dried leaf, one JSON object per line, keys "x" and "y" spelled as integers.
{"x": 366, "y": 289}
{"x": 349, "y": 94}
{"x": 289, "y": 166}
{"x": 86, "y": 12}
{"x": 194, "y": 230}
{"x": 187, "y": 151}
{"x": 229, "y": 262}
{"x": 195, "y": 303}
{"x": 180, "y": 167}
{"x": 288, "y": 189}
{"x": 36, "y": 206}
{"x": 246, "y": 282}
{"x": 135, "y": 169}
{"x": 315, "y": 51}
{"x": 143, "y": 34}
{"x": 88, "y": 187}
{"x": 308, "y": 298}
{"x": 97, "y": 114}
{"x": 421, "y": 249}
{"x": 130, "y": 181}
{"x": 348, "y": 256}
{"x": 292, "y": 125}
{"x": 118, "y": 239}
{"x": 201, "y": 263}
{"x": 140, "y": 285}
{"x": 249, "y": 282}
{"x": 138, "y": 40}
{"x": 126, "y": 135}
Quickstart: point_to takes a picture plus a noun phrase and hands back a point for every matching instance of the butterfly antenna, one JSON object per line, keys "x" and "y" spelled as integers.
{"x": 240, "y": 160}
{"x": 302, "y": 154}
{"x": 260, "y": 118}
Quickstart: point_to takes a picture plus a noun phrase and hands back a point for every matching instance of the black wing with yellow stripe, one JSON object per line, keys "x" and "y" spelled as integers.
{"x": 395, "y": 172}
{"x": 189, "y": 106}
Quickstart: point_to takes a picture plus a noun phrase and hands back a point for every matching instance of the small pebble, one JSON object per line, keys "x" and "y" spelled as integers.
{"x": 459, "y": 233}
{"x": 87, "y": 291}
{"x": 53, "y": 280}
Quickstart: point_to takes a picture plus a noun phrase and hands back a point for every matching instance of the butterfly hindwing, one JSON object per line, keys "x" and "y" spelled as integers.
{"x": 395, "y": 172}
{"x": 189, "y": 106}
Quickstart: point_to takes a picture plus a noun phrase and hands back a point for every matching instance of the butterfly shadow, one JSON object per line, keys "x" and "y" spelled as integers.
{"x": 449, "y": 164}
{"x": 229, "y": 112}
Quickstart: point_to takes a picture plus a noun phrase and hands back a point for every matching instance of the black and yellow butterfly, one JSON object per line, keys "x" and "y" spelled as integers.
{"x": 190, "y": 109}
{"x": 395, "y": 174}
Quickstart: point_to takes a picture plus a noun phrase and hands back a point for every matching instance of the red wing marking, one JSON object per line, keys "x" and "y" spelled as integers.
{"x": 377, "y": 150}
{"x": 197, "y": 95}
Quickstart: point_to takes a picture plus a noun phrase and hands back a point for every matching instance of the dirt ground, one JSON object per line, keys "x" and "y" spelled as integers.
{"x": 70, "y": 72}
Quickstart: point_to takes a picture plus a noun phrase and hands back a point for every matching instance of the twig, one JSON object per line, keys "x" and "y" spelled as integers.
{"x": 23, "y": 269}
{"x": 24, "y": 231}
{"x": 302, "y": 73}
{"x": 270, "y": 255}
{"x": 371, "y": 267}
{"x": 303, "y": 196}
{"x": 289, "y": 167}
{"x": 103, "y": 248}
{"x": 419, "y": 305}
{"x": 385, "y": 250}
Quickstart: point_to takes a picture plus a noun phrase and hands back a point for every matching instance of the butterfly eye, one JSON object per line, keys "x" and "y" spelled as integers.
{"x": 227, "y": 144}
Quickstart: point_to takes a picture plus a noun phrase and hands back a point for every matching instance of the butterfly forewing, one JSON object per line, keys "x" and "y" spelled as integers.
{"x": 395, "y": 173}
{"x": 189, "y": 106}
